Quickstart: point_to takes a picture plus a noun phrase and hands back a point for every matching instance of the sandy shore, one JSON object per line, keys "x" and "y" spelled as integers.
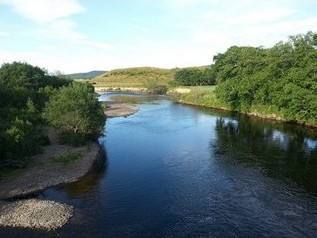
{"x": 120, "y": 110}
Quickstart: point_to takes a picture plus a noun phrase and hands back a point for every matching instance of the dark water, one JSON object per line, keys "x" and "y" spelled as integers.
{"x": 178, "y": 171}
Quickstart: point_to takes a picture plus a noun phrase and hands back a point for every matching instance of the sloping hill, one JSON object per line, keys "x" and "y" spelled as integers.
{"x": 134, "y": 77}
{"x": 87, "y": 75}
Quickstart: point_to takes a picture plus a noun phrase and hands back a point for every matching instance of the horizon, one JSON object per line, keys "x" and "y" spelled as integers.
{"x": 74, "y": 36}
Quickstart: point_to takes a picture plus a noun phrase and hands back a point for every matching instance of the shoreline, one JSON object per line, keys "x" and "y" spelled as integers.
{"x": 38, "y": 177}
{"x": 43, "y": 172}
{"x": 249, "y": 114}
{"x": 204, "y": 97}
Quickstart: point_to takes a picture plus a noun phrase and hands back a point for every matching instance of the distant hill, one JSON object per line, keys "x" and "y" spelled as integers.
{"x": 88, "y": 75}
{"x": 134, "y": 77}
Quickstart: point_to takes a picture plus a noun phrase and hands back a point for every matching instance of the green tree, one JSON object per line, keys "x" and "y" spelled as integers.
{"x": 75, "y": 110}
{"x": 195, "y": 76}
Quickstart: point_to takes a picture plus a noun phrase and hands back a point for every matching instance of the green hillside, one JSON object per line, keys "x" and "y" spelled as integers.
{"x": 134, "y": 77}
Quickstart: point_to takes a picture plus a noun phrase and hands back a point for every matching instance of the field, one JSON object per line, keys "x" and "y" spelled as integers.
{"x": 134, "y": 77}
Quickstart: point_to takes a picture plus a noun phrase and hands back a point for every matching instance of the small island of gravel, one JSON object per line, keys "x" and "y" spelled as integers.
{"x": 35, "y": 214}
{"x": 120, "y": 110}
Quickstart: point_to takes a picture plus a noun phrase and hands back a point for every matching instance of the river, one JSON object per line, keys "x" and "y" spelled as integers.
{"x": 179, "y": 171}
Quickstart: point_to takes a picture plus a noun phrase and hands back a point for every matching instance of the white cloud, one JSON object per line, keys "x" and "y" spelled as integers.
{"x": 196, "y": 31}
{"x": 4, "y": 34}
{"x": 54, "y": 18}
{"x": 43, "y": 11}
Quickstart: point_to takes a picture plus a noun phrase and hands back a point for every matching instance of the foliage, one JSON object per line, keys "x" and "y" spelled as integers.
{"x": 198, "y": 76}
{"x": 283, "y": 77}
{"x": 22, "y": 97}
{"x": 75, "y": 110}
{"x": 153, "y": 87}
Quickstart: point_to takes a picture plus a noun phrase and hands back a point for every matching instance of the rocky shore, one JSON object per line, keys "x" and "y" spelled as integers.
{"x": 43, "y": 172}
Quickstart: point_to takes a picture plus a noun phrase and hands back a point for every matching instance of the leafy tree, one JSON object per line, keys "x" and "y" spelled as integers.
{"x": 195, "y": 76}
{"x": 75, "y": 110}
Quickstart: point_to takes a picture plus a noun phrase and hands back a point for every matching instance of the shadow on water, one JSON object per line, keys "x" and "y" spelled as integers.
{"x": 280, "y": 151}
{"x": 87, "y": 184}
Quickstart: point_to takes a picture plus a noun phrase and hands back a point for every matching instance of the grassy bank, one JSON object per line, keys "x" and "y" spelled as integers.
{"x": 198, "y": 95}
{"x": 205, "y": 96}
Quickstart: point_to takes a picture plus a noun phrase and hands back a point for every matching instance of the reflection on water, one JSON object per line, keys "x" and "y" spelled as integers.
{"x": 284, "y": 154}
{"x": 180, "y": 171}
{"x": 90, "y": 182}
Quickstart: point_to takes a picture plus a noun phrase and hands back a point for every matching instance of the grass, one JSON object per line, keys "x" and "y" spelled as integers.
{"x": 201, "y": 96}
{"x": 67, "y": 157}
{"x": 133, "y": 77}
{"x": 10, "y": 172}
{"x": 205, "y": 96}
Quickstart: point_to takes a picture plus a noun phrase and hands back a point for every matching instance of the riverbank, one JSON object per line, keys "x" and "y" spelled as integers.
{"x": 205, "y": 96}
{"x": 48, "y": 169}
{"x": 58, "y": 164}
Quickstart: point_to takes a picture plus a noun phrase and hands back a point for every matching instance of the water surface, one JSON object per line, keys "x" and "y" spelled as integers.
{"x": 178, "y": 171}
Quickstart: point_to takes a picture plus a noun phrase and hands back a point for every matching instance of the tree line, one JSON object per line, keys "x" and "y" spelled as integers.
{"x": 281, "y": 79}
{"x": 31, "y": 100}
{"x": 195, "y": 76}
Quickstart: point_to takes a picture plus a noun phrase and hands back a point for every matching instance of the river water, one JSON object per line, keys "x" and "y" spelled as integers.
{"x": 178, "y": 171}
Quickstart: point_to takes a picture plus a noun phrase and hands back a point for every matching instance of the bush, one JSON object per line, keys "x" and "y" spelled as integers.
{"x": 160, "y": 90}
{"x": 153, "y": 87}
{"x": 76, "y": 112}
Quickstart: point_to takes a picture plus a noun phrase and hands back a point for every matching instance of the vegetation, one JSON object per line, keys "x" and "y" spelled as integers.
{"x": 283, "y": 78}
{"x": 278, "y": 82}
{"x": 134, "y": 77}
{"x": 24, "y": 91}
{"x": 200, "y": 95}
{"x": 196, "y": 76}
{"x": 76, "y": 112}
{"x": 153, "y": 86}
{"x": 83, "y": 76}
{"x": 67, "y": 157}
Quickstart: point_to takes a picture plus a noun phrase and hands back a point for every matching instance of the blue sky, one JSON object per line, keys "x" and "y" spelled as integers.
{"x": 81, "y": 35}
